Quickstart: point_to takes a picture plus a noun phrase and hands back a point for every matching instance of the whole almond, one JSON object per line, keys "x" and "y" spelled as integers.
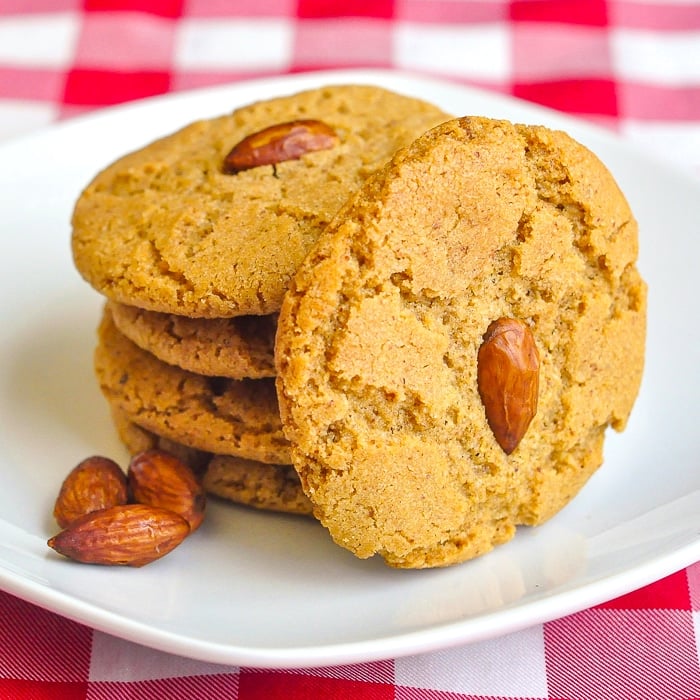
{"x": 279, "y": 143}
{"x": 158, "y": 478}
{"x": 125, "y": 535}
{"x": 96, "y": 483}
{"x": 508, "y": 367}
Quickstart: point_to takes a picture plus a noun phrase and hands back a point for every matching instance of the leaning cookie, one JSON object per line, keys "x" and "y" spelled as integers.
{"x": 211, "y": 414}
{"x": 238, "y": 348}
{"x": 212, "y": 221}
{"x": 452, "y": 351}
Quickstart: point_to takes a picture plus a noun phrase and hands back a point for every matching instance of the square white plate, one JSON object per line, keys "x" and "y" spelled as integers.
{"x": 268, "y": 590}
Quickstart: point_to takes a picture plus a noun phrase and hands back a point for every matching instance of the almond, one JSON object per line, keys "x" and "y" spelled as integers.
{"x": 279, "y": 143}
{"x": 96, "y": 483}
{"x": 125, "y": 535}
{"x": 158, "y": 478}
{"x": 508, "y": 366}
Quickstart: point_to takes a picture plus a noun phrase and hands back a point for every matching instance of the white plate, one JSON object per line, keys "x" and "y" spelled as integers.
{"x": 273, "y": 591}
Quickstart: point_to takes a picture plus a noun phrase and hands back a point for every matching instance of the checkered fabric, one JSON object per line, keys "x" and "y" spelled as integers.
{"x": 642, "y": 645}
{"x": 633, "y": 66}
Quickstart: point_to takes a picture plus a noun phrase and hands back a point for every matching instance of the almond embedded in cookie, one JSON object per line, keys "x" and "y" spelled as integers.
{"x": 379, "y": 336}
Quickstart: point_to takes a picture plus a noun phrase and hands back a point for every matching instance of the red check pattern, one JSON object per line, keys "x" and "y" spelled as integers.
{"x": 642, "y": 645}
{"x": 630, "y": 64}
{"x": 633, "y": 65}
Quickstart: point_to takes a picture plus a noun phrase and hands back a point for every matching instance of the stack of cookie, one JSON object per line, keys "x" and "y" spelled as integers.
{"x": 193, "y": 240}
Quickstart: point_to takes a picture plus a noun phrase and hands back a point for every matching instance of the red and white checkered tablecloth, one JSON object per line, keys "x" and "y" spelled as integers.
{"x": 633, "y": 66}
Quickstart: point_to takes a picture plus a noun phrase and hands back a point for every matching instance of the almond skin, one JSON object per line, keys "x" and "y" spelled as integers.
{"x": 508, "y": 367}
{"x": 96, "y": 483}
{"x": 158, "y": 478}
{"x": 279, "y": 143}
{"x": 125, "y": 535}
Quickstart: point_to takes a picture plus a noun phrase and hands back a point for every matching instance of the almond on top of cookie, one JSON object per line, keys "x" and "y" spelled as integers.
{"x": 172, "y": 228}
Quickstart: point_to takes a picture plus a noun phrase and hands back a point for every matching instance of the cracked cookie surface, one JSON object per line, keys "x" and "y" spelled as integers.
{"x": 165, "y": 229}
{"x": 379, "y": 333}
{"x": 211, "y": 414}
{"x": 241, "y": 347}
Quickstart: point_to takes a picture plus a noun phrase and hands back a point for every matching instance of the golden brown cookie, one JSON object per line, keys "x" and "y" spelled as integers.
{"x": 239, "y": 348}
{"x": 137, "y": 439}
{"x": 379, "y": 340}
{"x": 166, "y": 229}
{"x": 273, "y": 487}
{"x": 211, "y": 414}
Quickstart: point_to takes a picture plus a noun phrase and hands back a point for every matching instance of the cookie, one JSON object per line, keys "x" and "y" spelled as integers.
{"x": 223, "y": 416}
{"x": 273, "y": 487}
{"x": 238, "y": 348}
{"x": 166, "y": 229}
{"x": 137, "y": 439}
{"x": 380, "y": 335}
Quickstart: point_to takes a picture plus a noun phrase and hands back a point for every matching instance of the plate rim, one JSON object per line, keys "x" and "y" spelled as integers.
{"x": 436, "y": 637}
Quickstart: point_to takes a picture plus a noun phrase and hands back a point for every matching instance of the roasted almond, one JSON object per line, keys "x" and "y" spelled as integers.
{"x": 158, "y": 478}
{"x": 508, "y": 367}
{"x": 279, "y": 143}
{"x": 96, "y": 483}
{"x": 125, "y": 535}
